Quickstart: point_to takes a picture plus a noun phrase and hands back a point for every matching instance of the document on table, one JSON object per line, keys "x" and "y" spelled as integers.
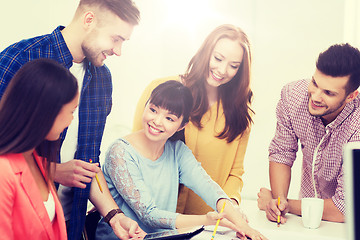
{"x": 222, "y": 233}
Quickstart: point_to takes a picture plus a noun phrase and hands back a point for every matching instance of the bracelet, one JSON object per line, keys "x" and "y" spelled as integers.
{"x": 111, "y": 214}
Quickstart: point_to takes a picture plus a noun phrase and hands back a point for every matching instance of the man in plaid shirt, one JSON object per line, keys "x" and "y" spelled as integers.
{"x": 97, "y": 31}
{"x": 323, "y": 113}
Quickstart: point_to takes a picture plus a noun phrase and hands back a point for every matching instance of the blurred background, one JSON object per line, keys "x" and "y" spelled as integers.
{"x": 286, "y": 38}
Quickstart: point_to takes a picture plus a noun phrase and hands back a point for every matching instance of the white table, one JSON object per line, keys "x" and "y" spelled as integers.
{"x": 291, "y": 230}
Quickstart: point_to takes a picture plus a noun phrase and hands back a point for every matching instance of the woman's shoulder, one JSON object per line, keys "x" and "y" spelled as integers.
{"x": 168, "y": 78}
{"x": 156, "y": 82}
{"x": 119, "y": 143}
{"x": 118, "y": 155}
{"x": 119, "y": 147}
{"x": 178, "y": 144}
{"x": 178, "y": 148}
{"x": 9, "y": 168}
{"x": 10, "y": 161}
{"x": 125, "y": 148}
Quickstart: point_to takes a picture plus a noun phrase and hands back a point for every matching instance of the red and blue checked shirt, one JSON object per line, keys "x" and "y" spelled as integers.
{"x": 94, "y": 106}
{"x": 294, "y": 123}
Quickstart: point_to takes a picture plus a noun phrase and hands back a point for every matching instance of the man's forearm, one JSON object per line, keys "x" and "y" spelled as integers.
{"x": 331, "y": 212}
{"x": 280, "y": 176}
{"x": 294, "y": 206}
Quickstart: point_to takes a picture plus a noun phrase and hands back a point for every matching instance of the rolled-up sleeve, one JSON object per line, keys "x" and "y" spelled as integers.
{"x": 284, "y": 145}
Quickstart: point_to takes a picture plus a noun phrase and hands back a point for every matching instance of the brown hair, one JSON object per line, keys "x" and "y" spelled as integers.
{"x": 235, "y": 95}
{"x": 124, "y": 9}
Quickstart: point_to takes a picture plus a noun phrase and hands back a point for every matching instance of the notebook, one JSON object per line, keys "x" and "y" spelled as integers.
{"x": 184, "y": 233}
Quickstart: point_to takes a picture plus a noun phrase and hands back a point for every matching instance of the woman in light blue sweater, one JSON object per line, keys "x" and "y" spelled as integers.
{"x": 143, "y": 171}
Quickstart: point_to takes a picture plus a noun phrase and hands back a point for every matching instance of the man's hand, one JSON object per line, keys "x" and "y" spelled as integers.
{"x": 125, "y": 228}
{"x": 264, "y": 197}
{"x": 268, "y": 204}
{"x": 75, "y": 173}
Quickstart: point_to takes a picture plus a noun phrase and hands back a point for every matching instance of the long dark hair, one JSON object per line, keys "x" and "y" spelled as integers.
{"x": 30, "y": 105}
{"x": 235, "y": 95}
{"x": 176, "y": 98}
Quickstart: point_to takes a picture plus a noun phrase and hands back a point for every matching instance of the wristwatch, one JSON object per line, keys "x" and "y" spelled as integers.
{"x": 111, "y": 214}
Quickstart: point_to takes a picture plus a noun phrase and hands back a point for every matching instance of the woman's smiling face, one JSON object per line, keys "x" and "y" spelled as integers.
{"x": 159, "y": 123}
{"x": 224, "y": 62}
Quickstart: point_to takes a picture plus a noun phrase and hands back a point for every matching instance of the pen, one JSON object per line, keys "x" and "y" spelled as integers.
{"x": 278, "y": 217}
{"x": 97, "y": 179}
{"x": 218, "y": 221}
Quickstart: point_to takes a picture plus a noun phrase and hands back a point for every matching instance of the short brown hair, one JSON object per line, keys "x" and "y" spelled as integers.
{"x": 341, "y": 60}
{"x": 124, "y": 9}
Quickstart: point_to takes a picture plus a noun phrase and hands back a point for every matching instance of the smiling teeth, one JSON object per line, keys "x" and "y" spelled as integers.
{"x": 217, "y": 76}
{"x": 154, "y": 129}
{"x": 317, "y": 104}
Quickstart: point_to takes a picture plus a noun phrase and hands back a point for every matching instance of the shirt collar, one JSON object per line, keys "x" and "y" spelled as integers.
{"x": 64, "y": 54}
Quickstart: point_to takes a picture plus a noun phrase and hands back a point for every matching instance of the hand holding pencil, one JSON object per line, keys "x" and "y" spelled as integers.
{"x": 278, "y": 217}
{"x": 97, "y": 179}
{"x": 218, "y": 222}
{"x": 231, "y": 218}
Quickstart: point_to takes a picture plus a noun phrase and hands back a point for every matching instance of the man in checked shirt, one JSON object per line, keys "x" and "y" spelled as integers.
{"x": 323, "y": 113}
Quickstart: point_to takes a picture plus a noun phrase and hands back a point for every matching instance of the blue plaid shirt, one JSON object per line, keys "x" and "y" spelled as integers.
{"x": 94, "y": 106}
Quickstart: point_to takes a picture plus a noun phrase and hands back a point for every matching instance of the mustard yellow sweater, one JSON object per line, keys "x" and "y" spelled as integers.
{"x": 223, "y": 161}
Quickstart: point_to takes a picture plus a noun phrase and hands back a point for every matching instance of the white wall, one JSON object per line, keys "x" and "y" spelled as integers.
{"x": 286, "y": 37}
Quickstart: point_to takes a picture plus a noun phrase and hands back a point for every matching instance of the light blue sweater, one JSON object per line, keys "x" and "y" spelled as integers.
{"x": 147, "y": 190}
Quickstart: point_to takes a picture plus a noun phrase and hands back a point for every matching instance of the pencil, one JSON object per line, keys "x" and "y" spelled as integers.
{"x": 218, "y": 221}
{"x": 97, "y": 179}
{"x": 278, "y": 217}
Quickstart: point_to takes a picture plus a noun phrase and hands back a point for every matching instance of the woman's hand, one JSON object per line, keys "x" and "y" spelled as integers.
{"x": 251, "y": 233}
{"x": 234, "y": 218}
{"x": 212, "y": 217}
{"x": 241, "y": 212}
{"x": 126, "y": 228}
{"x": 242, "y": 231}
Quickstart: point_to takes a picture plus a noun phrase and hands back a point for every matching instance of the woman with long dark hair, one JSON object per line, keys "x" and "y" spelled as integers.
{"x": 37, "y": 105}
{"x": 219, "y": 79}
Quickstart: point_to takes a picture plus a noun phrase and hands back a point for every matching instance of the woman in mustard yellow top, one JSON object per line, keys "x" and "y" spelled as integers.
{"x": 219, "y": 79}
